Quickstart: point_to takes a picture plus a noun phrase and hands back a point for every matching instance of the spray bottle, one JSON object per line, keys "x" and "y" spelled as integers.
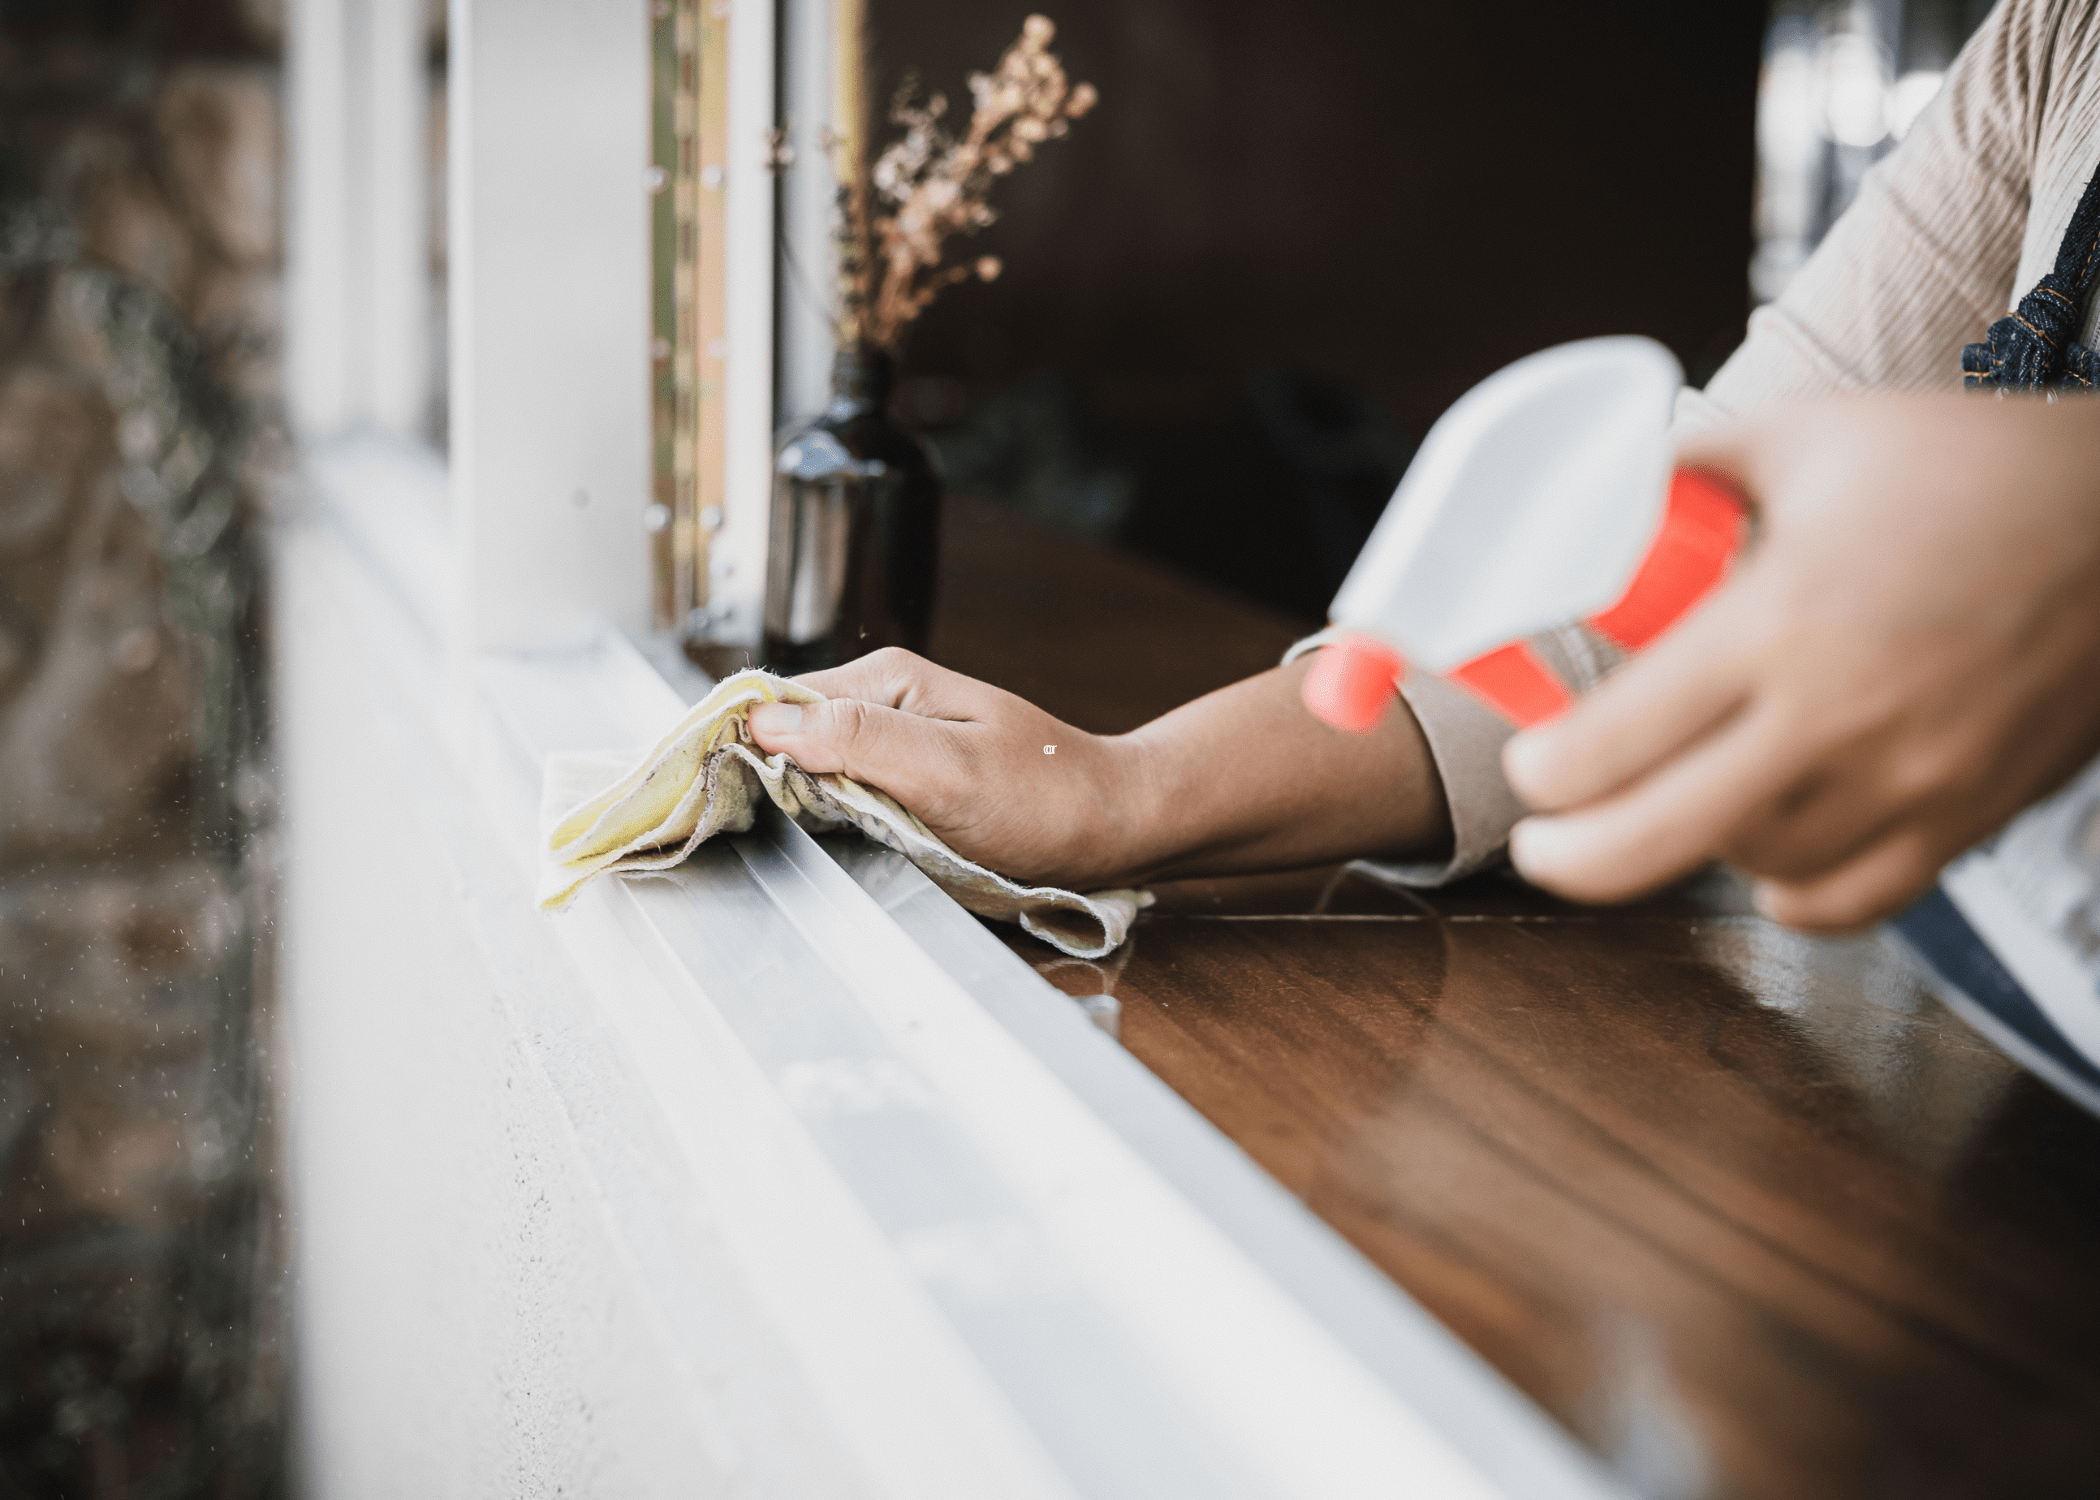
{"x": 1544, "y": 496}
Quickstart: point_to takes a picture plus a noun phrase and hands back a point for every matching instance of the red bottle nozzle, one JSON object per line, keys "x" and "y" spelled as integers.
{"x": 1352, "y": 681}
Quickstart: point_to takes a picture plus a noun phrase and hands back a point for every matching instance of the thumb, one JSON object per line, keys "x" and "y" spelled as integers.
{"x": 904, "y": 754}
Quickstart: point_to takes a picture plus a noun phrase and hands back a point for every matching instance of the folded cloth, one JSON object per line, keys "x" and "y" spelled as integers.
{"x": 704, "y": 778}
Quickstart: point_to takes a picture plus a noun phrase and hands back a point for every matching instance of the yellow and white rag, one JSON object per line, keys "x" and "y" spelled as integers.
{"x": 705, "y": 777}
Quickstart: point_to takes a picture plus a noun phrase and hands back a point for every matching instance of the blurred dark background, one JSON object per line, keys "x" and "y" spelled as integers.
{"x": 1288, "y": 238}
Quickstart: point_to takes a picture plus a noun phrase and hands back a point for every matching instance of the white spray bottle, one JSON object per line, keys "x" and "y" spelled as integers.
{"x": 1543, "y": 496}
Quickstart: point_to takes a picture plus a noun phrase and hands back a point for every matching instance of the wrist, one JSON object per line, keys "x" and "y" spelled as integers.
{"x": 1135, "y": 840}
{"x": 1109, "y": 837}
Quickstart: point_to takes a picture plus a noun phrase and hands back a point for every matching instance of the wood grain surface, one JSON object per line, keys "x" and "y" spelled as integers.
{"x": 1750, "y": 1213}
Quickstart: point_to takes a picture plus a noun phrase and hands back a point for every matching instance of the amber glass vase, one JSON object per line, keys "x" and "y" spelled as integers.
{"x": 855, "y": 534}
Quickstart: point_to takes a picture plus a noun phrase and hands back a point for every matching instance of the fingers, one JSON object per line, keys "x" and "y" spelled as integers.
{"x": 1662, "y": 827}
{"x": 1693, "y": 679}
{"x": 1877, "y": 883}
{"x": 895, "y": 678}
{"x": 1823, "y": 822}
{"x": 910, "y": 756}
{"x": 1853, "y": 789}
{"x": 879, "y": 677}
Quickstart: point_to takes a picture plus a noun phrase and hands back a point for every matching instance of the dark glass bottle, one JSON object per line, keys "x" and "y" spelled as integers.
{"x": 855, "y": 533}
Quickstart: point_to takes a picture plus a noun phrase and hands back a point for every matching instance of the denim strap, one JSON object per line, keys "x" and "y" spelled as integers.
{"x": 2036, "y": 348}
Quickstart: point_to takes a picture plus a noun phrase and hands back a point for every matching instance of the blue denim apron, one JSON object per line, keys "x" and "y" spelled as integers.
{"x": 2035, "y": 349}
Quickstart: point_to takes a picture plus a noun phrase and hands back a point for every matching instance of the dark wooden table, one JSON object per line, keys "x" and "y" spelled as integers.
{"x": 1750, "y": 1213}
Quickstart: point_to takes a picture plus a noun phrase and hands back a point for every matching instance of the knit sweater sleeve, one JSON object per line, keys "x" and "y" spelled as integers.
{"x": 1924, "y": 259}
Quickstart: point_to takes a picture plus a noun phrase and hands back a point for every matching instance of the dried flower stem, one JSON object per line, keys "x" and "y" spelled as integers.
{"x": 934, "y": 186}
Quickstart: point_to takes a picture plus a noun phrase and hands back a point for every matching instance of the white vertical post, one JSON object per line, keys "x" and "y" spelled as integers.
{"x": 549, "y": 139}
{"x": 808, "y": 206}
{"x": 318, "y": 274}
{"x": 737, "y": 553}
{"x": 397, "y": 199}
{"x": 360, "y": 223}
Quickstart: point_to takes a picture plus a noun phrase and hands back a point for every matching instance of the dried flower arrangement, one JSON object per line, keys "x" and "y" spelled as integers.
{"x": 929, "y": 186}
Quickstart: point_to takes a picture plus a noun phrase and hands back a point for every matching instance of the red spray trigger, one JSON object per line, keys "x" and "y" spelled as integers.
{"x": 1702, "y": 530}
{"x": 1352, "y": 681}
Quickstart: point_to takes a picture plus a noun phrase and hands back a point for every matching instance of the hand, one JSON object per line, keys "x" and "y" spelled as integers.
{"x": 1908, "y": 657}
{"x": 999, "y": 780}
{"x": 1244, "y": 779}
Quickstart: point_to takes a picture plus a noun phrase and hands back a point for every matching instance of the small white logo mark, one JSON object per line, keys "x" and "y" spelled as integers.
{"x": 1049, "y": 749}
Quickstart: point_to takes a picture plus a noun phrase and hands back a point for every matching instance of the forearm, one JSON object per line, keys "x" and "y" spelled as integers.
{"x": 1246, "y": 779}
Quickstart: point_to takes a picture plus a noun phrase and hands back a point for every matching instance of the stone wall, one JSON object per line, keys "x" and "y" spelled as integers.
{"x": 140, "y": 255}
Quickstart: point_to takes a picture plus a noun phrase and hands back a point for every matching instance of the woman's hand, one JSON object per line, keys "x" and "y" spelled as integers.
{"x": 1244, "y": 779}
{"x": 1908, "y": 657}
{"x": 999, "y": 780}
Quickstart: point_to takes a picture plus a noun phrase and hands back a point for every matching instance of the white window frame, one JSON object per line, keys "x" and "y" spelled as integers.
{"x": 956, "y": 1240}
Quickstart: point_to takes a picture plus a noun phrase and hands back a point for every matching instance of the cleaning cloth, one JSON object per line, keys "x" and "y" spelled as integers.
{"x": 610, "y": 815}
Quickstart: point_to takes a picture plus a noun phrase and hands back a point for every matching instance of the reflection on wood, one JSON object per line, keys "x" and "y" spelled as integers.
{"x": 1750, "y": 1213}
{"x": 1746, "y": 1212}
